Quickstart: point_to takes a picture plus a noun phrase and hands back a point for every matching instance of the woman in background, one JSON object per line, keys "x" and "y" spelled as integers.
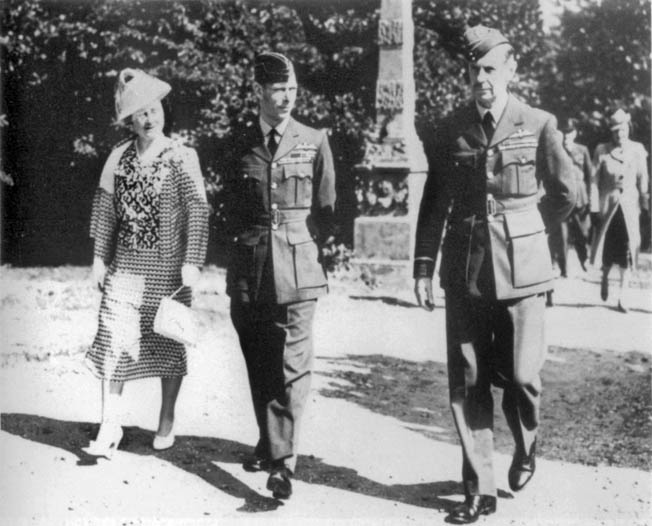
{"x": 150, "y": 225}
{"x": 622, "y": 180}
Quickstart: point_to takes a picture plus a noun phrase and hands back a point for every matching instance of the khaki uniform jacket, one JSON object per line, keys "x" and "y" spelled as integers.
{"x": 280, "y": 208}
{"x": 583, "y": 170}
{"x": 488, "y": 197}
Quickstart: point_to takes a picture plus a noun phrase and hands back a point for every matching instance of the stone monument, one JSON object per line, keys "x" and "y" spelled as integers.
{"x": 394, "y": 167}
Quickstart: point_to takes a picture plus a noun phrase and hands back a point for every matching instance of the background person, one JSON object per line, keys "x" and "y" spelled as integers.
{"x": 281, "y": 189}
{"x": 576, "y": 228}
{"x": 486, "y": 162}
{"x": 622, "y": 180}
{"x": 150, "y": 225}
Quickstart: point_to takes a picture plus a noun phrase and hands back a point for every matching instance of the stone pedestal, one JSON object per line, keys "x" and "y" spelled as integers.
{"x": 394, "y": 167}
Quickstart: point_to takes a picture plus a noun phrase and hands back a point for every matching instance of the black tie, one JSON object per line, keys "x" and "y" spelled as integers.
{"x": 488, "y": 125}
{"x": 271, "y": 142}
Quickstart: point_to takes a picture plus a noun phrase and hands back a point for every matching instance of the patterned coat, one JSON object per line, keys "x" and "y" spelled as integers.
{"x": 149, "y": 218}
{"x": 487, "y": 195}
{"x": 621, "y": 178}
{"x": 183, "y": 214}
{"x": 279, "y": 207}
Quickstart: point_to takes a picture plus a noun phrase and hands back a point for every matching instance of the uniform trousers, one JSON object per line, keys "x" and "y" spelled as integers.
{"x": 498, "y": 342}
{"x": 575, "y": 230}
{"x": 277, "y": 345}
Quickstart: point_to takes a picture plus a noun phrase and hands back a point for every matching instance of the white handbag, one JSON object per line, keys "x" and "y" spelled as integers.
{"x": 176, "y": 321}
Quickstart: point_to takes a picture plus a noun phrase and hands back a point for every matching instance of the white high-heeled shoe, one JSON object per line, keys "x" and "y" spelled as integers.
{"x": 107, "y": 441}
{"x": 165, "y": 442}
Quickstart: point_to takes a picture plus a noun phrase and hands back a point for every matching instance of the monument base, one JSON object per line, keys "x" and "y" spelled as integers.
{"x": 387, "y": 275}
{"x": 383, "y": 248}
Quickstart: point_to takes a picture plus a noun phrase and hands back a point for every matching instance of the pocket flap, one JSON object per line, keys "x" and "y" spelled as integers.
{"x": 250, "y": 237}
{"x": 519, "y": 156}
{"x": 298, "y": 233}
{"x": 468, "y": 159}
{"x": 255, "y": 173}
{"x": 524, "y": 223}
{"x": 299, "y": 170}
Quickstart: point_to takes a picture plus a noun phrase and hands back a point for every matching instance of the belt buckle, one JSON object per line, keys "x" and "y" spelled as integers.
{"x": 276, "y": 219}
{"x": 491, "y": 206}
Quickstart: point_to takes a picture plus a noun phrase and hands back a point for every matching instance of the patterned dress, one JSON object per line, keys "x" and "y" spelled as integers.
{"x": 149, "y": 218}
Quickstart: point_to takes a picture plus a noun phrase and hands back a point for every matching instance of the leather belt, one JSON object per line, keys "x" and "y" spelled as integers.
{"x": 495, "y": 207}
{"x": 279, "y": 217}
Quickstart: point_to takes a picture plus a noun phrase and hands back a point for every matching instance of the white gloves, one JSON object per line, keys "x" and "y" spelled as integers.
{"x": 423, "y": 291}
{"x": 190, "y": 275}
{"x": 99, "y": 272}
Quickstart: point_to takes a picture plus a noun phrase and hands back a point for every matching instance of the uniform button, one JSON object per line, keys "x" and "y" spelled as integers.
{"x": 490, "y": 153}
{"x": 274, "y": 165}
{"x": 274, "y": 185}
{"x": 490, "y": 175}
{"x": 245, "y": 175}
{"x": 274, "y": 206}
{"x": 235, "y": 239}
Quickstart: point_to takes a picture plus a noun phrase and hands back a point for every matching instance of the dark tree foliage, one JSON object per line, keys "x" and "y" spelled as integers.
{"x": 603, "y": 62}
{"x": 59, "y": 61}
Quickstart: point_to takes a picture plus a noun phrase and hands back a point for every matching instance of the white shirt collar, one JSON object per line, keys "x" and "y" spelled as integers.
{"x": 497, "y": 107}
{"x": 280, "y": 127}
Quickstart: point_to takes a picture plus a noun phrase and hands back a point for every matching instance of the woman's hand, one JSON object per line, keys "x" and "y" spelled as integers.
{"x": 99, "y": 273}
{"x": 190, "y": 275}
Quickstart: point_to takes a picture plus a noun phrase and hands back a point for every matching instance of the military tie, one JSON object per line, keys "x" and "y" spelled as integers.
{"x": 272, "y": 145}
{"x": 488, "y": 125}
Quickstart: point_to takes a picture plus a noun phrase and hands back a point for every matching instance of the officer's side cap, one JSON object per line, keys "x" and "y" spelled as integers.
{"x": 479, "y": 40}
{"x": 272, "y": 67}
{"x": 567, "y": 125}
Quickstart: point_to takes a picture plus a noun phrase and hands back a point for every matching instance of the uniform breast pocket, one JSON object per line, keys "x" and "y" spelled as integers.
{"x": 251, "y": 179}
{"x": 518, "y": 173}
{"x": 298, "y": 178}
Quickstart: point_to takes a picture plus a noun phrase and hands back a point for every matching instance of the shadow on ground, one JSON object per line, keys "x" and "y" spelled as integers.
{"x": 387, "y": 300}
{"x": 197, "y": 455}
{"x": 596, "y": 407}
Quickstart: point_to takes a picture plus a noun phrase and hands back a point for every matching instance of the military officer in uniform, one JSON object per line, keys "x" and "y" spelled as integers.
{"x": 486, "y": 164}
{"x": 281, "y": 195}
{"x": 576, "y": 227}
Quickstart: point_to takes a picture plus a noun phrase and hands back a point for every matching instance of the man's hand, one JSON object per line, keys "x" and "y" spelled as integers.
{"x": 423, "y": 291}
{"x": 99, "y": 273}
{"x": 190, "y": 275}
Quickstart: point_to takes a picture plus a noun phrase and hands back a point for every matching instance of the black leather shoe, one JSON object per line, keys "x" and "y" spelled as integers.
{"x": 255, "y": 463}
{"x": 280, "y": 481}
{"x": 604, "y": 288}
{"x": 549, "y": 301}
{"x": 471, "y": 509}
{"x": 522, "y": 468}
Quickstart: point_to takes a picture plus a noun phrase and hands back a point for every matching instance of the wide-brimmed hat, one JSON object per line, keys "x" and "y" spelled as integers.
{"x": 136, "y": 89}
{"x": 619, "y": 118}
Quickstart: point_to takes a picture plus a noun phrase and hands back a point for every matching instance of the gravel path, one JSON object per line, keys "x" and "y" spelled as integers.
{"x": 356, "y": 466}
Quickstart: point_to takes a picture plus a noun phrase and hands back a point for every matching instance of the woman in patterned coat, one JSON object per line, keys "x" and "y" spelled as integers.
{"x": 622, "y": 179}
{"x": 150, "y": 226}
